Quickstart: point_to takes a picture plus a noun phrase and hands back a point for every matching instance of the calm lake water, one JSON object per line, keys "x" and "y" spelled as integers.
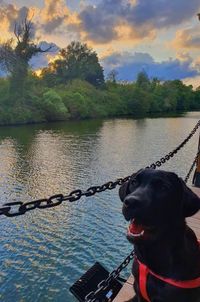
{"x": 43, "y": 252}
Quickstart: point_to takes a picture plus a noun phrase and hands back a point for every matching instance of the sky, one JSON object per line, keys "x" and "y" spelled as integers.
{"x": 161, "y": 37}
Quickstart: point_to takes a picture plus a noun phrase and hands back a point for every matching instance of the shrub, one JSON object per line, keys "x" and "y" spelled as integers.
{"x": 53, "y": 106}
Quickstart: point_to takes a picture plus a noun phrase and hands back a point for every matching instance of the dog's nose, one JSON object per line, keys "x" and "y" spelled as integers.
{"x": 131, "y": 201}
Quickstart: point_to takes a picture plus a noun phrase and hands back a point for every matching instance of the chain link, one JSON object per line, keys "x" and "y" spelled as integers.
{"x": 175, "y": 151}
{"x": 104, "y": 284}
{"x": 14, "y": 209}
{"x": 192, "y": 166}
{"x": 96, "y": 296}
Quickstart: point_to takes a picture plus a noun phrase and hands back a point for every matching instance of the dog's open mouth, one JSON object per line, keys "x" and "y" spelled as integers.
{"x": 138, "y": 230}
{"x": 135, "y": 229}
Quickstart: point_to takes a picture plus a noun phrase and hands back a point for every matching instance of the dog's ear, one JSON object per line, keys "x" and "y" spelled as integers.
{"x": 123, "y": 190}
{"x": 191, "y": 202}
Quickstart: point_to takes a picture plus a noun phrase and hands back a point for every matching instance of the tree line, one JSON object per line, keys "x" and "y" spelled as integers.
{"x": 73, "y": 86}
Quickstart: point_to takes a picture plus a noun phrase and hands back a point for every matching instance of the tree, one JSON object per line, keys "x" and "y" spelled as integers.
{"x": 112, "y": 76}
{"x": 155, "y": 83}
{"x": 196, "y": 100}
{"x": 77, "y": 61}
{"x": 184, "y": 95}
{"x": 16, "y": 54}
{"x": 143, "y": 80}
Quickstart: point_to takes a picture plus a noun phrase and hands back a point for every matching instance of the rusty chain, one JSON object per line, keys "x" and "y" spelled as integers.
{"x": 13, "y": 209}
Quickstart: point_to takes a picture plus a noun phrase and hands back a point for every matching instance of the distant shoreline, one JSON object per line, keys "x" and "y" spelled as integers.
{"x": 135, "y": 117}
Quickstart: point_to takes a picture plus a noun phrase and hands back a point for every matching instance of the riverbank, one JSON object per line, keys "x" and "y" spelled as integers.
{"x": 80, "y": 100}
{"x": 136, "y": 117}
{"x": 82, "y": 120}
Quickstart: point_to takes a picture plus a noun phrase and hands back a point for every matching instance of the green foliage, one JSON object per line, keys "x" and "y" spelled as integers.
{"x": 112, "y": 76}
{"x": 184, "y": 95}
{"x": 143, "y": 81}
{"x": 73, "y": 88}
{"x": 77, "y": 105}
{"x": 195, "y": 105}
{"x": 77, "y": 61}
{"x": 4, "y": 90}
{"x": 53, "y": 106}
{"x": 80, "y": 100}
{"x": 49, "y": 77}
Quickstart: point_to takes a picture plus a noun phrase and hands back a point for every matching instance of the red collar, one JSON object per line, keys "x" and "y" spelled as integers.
{"x": 144, "y": 271}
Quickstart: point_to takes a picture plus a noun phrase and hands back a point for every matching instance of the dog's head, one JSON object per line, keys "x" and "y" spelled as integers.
{"x": 155, "y": 200}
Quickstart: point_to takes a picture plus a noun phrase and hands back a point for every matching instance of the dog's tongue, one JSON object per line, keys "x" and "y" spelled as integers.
{"x": 135, "y": 228}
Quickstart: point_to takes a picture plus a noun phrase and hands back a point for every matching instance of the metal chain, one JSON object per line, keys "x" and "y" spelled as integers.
{"x": 103, "y": 285}
{"x": 175, "y": 151}
{"x": 57, "y": 199}
{"x": 192, "y": 166}
{"x": 13, "y": 209}
{"x": 96, "y": 296}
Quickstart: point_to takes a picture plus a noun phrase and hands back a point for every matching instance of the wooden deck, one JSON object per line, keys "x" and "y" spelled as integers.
{"x": 127, "y": 292}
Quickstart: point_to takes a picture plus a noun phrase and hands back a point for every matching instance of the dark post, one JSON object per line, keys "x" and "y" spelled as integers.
{"x": 196, "y": 178}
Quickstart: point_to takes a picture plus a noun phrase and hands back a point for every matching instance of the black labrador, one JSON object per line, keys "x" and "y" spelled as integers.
{"x": 156, "y": 203}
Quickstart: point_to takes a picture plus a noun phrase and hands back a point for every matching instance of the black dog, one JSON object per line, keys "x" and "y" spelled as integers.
{"x": 156, "y": 204}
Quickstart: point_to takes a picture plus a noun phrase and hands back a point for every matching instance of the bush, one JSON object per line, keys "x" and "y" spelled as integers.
{"x": 4, "y": 90}
{"x": 53, "y": 106}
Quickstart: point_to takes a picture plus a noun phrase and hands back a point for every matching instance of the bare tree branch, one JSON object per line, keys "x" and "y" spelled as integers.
{"x": 16, "y": 33}
{"x": 15, "y": 58}
{"x": 45, "y": 50}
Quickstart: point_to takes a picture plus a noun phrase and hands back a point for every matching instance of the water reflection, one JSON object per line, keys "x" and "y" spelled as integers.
{"x": 44, "y": 251}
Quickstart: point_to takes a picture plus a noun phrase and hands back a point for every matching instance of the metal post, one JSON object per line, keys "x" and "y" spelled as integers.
{"x": 196, "y": 178}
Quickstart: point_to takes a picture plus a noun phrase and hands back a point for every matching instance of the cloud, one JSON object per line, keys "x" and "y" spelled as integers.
{"x": 41, "y": 60}
{"x": 47, "y": 20}
{"x": 102, "y": 21}
{"x": 187, "y": 38}
{"x": 163, "y": 13}
{"x": 99, "y": 23}
{"x": 110, "y": 20}
{"x": 52, "y": 24}
{"x": 53, "y": 15}
{"x": 194, "y": 81}
{"x": 128, "y": 65}
{"x": 119, "y": 59}
{"x": 56, "y": 17}
{"x": 10, "y": 15}
{"x": 184, "y": 56}
{"x": 143, "y": 17}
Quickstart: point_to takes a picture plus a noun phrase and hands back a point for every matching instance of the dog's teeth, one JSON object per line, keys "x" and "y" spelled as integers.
{"x": 136, "y": 235}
